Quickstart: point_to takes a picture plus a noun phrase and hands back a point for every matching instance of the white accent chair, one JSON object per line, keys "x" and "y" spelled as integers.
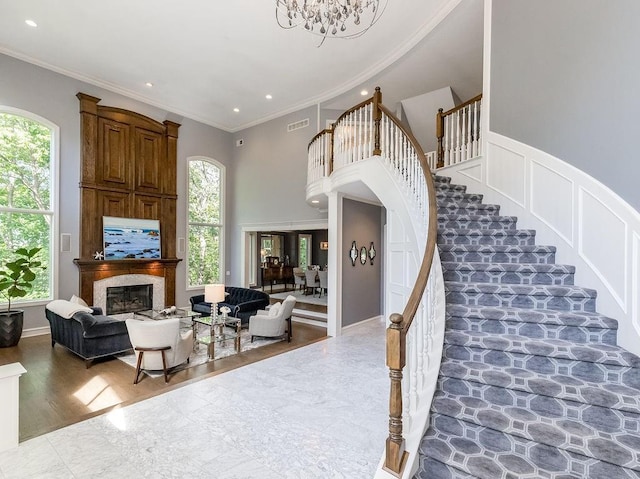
{"x": 275, "y": 322}
{"x": 322, "y": 277}
{"x": 159, "y": 345}
{"x": 311, "y": 277}
{"x": 299, "y": 278}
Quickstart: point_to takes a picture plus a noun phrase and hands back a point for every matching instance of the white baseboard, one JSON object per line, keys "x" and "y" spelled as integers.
{"x": 28, "y": 333}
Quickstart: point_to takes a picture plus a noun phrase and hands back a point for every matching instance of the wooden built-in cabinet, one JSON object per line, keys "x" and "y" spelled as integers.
{"x": 128, "y": 170}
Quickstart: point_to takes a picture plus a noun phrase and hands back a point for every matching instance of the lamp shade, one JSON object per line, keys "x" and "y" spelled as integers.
{"x": 214, "y": 293}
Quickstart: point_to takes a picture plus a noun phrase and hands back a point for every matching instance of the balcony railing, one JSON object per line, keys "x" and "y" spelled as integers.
{"x": 366, "y": 130}
{"x": 458, "y": 132}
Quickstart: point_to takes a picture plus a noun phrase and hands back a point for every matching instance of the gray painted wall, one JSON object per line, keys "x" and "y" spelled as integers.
{"x": 270, "y": 178}
{"x": 564, "y": 79}
{"x": 52, "y": 96}
{"x": 361, "y": 284}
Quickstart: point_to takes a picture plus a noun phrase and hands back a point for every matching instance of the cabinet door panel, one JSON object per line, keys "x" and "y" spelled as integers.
{"x": 113, "y": 153}
{"x": 149, "y": 160}
{"x": 147, "y": 207}
{"x": 115, "y": 204}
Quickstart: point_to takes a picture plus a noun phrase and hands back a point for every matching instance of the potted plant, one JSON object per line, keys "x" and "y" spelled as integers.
{"x": 16, "y": 279}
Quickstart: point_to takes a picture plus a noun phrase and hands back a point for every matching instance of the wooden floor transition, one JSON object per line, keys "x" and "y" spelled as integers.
{"x": 58, "y": 390}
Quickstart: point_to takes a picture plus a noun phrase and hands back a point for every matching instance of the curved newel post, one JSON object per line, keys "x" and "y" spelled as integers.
{"x": 396, "y": 456}
{"x": 377, "y": 116}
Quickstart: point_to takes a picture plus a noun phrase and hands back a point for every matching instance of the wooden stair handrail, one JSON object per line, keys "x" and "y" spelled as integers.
{"x": 395, "y": 454}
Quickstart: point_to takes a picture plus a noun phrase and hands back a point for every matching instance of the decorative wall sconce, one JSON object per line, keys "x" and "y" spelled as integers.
{"x": 324, "y": 245}
{"x": 372, "y": 252}
{"x": 363, "y": 255}
{"x": 353, "y": 253}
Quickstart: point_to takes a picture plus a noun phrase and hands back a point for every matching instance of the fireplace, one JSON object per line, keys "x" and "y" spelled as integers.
{"x": 129, "y": 299}
{"x": 129, "y": 293}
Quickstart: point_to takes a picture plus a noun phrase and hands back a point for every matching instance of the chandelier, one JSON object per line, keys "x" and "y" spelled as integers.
{"x": 334, "y": 18}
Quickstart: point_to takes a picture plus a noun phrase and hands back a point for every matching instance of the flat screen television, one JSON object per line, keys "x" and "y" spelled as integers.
{"x": 130, "y": 238}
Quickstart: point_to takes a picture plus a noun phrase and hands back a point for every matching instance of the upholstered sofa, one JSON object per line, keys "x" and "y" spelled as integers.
{"x": 86, "y": 331}
{"x": 243, "y": 303}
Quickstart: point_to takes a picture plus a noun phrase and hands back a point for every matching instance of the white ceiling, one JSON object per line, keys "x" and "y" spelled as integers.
{"x": 207, "y": 57}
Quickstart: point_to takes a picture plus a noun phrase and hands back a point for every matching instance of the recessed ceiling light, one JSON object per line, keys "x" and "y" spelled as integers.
{"x": 149, "y": 84}
{"x": 364, "y": 92}
{"x": 31, "y": 23}
{"x": 315, "y": 202}
{"x": 236, "y": 110}
{"x": 268, "y": 97}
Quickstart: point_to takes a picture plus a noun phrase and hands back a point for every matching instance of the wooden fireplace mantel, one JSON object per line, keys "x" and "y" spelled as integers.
{"x": 95, "y": 270}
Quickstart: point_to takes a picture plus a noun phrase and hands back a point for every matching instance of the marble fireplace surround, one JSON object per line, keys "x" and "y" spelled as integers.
{"x": 100, "y": 288}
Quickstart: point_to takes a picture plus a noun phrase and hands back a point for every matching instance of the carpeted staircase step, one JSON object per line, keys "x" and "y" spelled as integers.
{"x": 510, "y": 273}
{"x": 434, "y": 469}
{"x": 482, "y": 222}
{"x": 563, "y": 298}
{"x": 441, "y": 179}
{"x": 466, "y": 208}
{"x": 489, "y": 237}
{"x": 588, "y": 431}
{"x": 580, "y": 327}
{"x": 490, "y": 454}
{"x": 551, "y": 351}
{"x": 498, "y": 254}
{"x": 450, "y": 187}
{"x": 448, "y": 195}
{"x": 596, "y": 391}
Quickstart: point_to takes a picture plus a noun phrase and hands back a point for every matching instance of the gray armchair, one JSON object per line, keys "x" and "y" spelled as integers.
{"x": 273, "y": 323}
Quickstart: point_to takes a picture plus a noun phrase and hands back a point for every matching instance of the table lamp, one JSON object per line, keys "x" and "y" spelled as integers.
{"x": 214, "y": 294}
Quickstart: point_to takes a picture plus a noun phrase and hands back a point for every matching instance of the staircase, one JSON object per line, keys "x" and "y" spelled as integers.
{"x": 532, "y": 383}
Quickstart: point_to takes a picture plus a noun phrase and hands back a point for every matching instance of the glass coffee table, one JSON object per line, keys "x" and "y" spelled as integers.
{"x": 182, "y": 313}
{"x": 217, "y": 332}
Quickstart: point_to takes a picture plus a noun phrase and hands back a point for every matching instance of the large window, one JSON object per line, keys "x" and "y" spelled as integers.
{"x": 206, "y": 218}
{"x": 27, "y": 218}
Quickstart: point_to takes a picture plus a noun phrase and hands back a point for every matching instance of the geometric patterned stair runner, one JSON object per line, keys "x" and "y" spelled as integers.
{"x": 532, "y": 384}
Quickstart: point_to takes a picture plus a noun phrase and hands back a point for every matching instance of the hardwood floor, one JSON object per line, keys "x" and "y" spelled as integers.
{"x": 58, "y": 390}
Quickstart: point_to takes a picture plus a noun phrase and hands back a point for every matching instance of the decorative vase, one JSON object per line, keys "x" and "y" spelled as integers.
{"x": 10, "y": 327}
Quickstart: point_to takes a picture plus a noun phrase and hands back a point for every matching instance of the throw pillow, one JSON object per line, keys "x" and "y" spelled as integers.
{"x": 275, "y": 309}
{"x": 76, "y": 300}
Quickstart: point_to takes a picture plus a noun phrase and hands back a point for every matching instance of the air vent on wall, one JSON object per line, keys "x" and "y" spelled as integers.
{"x": 297, "y": 125}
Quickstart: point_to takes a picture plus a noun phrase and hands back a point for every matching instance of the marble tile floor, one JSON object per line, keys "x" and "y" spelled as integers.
{"x": 315, "y": 412}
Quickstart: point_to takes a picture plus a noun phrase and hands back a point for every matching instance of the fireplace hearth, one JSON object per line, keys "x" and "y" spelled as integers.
{"x": 129, "y": 299}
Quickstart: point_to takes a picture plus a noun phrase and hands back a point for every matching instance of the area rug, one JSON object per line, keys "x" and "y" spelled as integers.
{"x": 200, "y": 356}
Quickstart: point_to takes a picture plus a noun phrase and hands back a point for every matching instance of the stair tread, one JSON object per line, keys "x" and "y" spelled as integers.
{"x": 508, "y": 267}
{"x": 561, "y": 386}
{"x": 490, "y": 248}
{"x": 547, "y": 421}
{"x": 485, "y": 232}
{"x": 553, "y": 348}
{"x": 431, "y": 468}
{"x": 521, "y": 289}
{"x": 548, "y": 316}
{"x": 453, "y": 217}
{"x": 487, "y": 453}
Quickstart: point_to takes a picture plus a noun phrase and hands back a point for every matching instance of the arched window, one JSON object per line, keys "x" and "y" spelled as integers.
{"x": 27, "y": 192}
{"x": 205, "y": 222}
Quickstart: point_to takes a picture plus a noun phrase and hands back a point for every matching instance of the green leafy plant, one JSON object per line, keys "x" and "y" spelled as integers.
{"x": 17, "y": 277}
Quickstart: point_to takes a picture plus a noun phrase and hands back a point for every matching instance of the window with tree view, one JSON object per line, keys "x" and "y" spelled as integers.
{"x": 26, "y": 194}
{"x": 206, "y": 243}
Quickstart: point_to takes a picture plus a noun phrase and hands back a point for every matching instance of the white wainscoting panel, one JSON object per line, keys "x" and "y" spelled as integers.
{"x": 552, "y": 199}
{"x": 602, "y": 237}
{"x": 591, "y": 226}
{"x": 474, "y": 172}
{"x": 506, "y": 173}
